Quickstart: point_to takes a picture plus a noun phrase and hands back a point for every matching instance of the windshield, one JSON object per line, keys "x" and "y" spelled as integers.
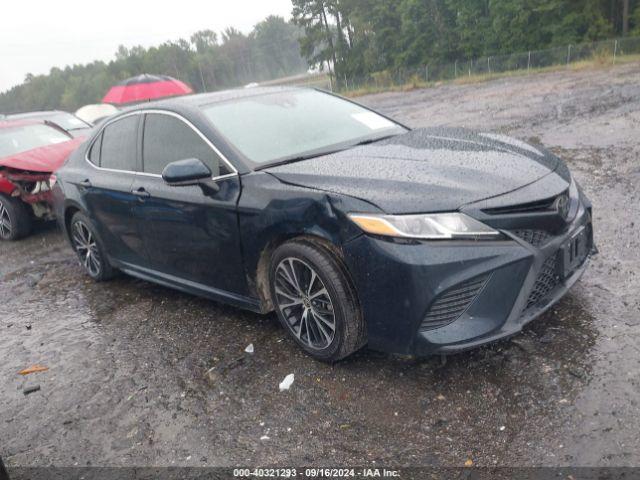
{"x": 15, "y": 140}
{"x": 286, "y": 125}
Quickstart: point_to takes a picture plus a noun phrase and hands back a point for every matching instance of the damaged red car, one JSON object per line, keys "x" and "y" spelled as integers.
{"x": 30, "y": 151}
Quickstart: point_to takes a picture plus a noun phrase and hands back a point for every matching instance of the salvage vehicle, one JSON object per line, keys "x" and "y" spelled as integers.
{"x": 73, "y": 125}
{"x": 355, "y": 229}
{"x": 30, "y": 151}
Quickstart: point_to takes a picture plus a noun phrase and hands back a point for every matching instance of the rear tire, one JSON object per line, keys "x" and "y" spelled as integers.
{"x": 89, "y": 248}
{"x": 315, "y": 300}
{"x": 15, "y": 218}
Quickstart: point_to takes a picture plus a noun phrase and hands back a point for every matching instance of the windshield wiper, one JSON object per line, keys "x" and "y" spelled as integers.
{"x": 308, "y": 156}
{"x": 300, "y": 158}
{"x": 374, "y": 140}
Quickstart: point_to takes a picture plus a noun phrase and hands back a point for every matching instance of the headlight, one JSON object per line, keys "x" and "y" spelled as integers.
{"x": 436, "y": 226}
{"x": 574, "y": 200}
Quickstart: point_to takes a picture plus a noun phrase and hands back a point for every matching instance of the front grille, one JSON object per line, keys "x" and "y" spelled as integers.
{"x": 544, "y": 205}
{"x": 547, "y": 280}
{"x": 537, "y": 238}
{"x": 452, "y": 303}
{"x": 532, "y": 207}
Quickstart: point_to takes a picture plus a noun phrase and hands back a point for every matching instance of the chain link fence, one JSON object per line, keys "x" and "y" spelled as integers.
{"x": 603, "y": 52}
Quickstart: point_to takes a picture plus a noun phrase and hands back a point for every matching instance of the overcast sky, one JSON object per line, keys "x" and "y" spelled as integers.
{"x": 36, "y": 35}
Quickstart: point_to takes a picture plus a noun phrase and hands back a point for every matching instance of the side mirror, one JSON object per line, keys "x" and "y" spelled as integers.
{"x": 190, "y": 171}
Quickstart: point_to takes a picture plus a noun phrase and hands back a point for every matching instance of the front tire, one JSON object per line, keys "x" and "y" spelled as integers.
{"x": 315, "y": 301}
{"x": 15, "y": 218}
{"x": 89, "y": 248}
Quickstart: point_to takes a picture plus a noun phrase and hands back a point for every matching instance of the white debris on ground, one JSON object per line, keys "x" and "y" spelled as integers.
{"x": 249, "y": 348}
{"x": 264, "y": 437}
{"x": 287, "y": 382}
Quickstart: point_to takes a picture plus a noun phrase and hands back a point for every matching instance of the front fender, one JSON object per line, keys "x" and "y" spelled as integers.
{"x": 271, "y": 212}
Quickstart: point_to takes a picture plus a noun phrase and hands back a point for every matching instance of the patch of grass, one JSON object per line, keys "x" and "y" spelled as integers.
{"x": 383, "y": 82}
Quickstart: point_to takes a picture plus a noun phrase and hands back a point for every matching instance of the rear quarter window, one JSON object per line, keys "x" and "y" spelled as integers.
{"x": 94, "y": 153}
{"x": 119, "y": 144}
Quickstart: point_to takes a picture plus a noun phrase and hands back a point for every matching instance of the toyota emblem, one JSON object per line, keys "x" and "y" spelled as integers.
{"x": 562, "y": 206}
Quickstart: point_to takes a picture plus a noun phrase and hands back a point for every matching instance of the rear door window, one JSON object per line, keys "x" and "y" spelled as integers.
{"x": 168, "y": 139}
{"x": 119, "y": 142}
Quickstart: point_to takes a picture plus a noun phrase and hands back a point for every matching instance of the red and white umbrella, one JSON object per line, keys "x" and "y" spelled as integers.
{"x": 145, "y": 87}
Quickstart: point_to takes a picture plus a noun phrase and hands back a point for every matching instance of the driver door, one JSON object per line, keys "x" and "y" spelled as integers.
{"x": 188, "y": 235}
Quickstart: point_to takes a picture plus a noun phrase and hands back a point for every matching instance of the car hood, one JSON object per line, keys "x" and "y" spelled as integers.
{"x": 426, "y": 170}
{"x": 42, "y": 159}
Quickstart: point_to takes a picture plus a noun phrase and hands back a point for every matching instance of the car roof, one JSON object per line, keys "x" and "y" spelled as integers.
{"x": 202, "y": 99}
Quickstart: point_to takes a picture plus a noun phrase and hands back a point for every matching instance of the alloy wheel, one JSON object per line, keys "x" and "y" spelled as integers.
{"x": 5, "y": 222}
{"x": 86, "y": 248}
{"x": 304, "y": 301}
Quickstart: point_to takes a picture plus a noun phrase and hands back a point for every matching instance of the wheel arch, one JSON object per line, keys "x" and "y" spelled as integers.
{"x": 69, "y": 211}
{"x": 272, "y": 212}
{"x": 261, "y": 279}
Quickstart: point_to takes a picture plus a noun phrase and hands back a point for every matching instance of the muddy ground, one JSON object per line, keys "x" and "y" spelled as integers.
{"x": 128, "y": 361}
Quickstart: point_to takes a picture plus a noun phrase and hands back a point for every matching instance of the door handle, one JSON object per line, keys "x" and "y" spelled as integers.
{"x": 86, "y": 183}
{"x": 141, "y": 193}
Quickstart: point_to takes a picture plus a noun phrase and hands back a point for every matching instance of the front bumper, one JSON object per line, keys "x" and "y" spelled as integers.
{"x": 399, "y": 284}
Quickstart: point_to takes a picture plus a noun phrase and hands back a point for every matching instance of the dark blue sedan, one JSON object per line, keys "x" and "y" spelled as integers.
{"x": 355, "y": 229}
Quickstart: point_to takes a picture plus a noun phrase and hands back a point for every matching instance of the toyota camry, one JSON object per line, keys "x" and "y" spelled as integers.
{"x": 354, "y": 228}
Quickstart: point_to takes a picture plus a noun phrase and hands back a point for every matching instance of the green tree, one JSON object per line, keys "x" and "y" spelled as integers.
{"x": 472, "y": 24}
{"x": 634, "y": 21}
{"x": 204, "y": 40}
{"x": 277, "y": 46}
{"x": 428, "y": 32}
{"x": 318, "y": 43}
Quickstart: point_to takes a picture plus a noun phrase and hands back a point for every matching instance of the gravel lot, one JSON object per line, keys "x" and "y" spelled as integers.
{"x": 142, "y": 375}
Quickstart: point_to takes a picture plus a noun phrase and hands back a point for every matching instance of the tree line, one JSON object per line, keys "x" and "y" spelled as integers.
{"x": 207, "y": 61}
{"x": 350, "y": 37}
{"x": 358, "y": 37}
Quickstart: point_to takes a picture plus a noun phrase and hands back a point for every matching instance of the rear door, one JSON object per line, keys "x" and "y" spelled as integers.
{"x": 107, "y": 188}
{"x": 188, "y": 235}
